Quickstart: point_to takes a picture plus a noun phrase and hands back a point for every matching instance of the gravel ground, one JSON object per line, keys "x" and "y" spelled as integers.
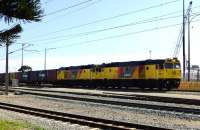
{"x": 177, "y": 94}
{"x": 185, "y": 92}
{"x": 42, "y": 122}
{"x": 123, "y": 100}
{"x": 149, "y": 117}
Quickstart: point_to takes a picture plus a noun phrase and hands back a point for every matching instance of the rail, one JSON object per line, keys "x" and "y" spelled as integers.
{"x": 79, "y": 119}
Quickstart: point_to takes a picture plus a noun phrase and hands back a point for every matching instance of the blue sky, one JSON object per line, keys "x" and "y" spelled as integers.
{"x": 102, "y": 31}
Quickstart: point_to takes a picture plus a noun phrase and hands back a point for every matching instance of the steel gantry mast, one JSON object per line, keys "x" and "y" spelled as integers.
{"x": 188, "y": 18}
{"x": 181, "y": 39}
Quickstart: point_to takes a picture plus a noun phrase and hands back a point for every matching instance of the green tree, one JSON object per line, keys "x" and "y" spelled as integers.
{"x": 8, "y": 37}
{"x": 23, "y": 10}
{"x": 25, "y": 68}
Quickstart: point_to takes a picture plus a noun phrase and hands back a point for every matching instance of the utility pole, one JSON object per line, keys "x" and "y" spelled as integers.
{"x": 45, "y": 56}
{"x": 23, "y": 44}
{"x": 150, "y": 54}
{"x": 183, "y": 39}
{"x": 23, "y": 49}
{"x": 189, "y": 10}
{"x": 6, "y": 75}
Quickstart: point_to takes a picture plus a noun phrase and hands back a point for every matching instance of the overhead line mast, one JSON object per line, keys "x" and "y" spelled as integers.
{"x": 183, "y": 39}
{"x": 188, "y": 16}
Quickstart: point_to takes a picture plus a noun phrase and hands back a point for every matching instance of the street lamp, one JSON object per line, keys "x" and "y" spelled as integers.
{"x": 189, "y": 10}
{"x": 150, "y": 54}
{"x": 23, "y": 49}
{"x": 183, "y": 39}
{"x": 189, "y": 20}
{"x": 45, "y": 56}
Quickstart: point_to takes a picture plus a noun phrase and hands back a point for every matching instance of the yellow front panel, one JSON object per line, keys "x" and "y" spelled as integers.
{"x": 161, "y": 73}
{"x": 172, "y": 73}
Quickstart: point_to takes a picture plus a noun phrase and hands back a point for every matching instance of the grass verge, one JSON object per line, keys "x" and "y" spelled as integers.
{"x": 12, "y": 125}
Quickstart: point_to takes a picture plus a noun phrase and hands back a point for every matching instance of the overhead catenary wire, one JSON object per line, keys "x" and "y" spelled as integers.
{"x": 107, "y": 29}
{"x": 67, "y": 8}
{"x": 179, "y": 43}
{"x": 150, "y": 20}
{"x": 166, "y": 3}
{"x": 53, "y": 19}
{"x": 47, "y": 1}
{"x": 113, "y": 37}
{"x": 122, "y": 35}
{"x": 135, "y": 11}
{"x": 137, "y": 22}
{"x": 112, "y": 17}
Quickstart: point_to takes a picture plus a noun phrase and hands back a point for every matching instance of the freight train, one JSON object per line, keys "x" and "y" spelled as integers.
{"x": 159, "y": 73}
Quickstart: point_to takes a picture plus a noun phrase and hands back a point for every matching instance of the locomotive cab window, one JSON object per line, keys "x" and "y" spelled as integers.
{"x": 98, "y": 69}
{"x": 168, "y": 65}
{"x": 177, "y": 66}
{"x": 157, "y": 66}
{"x": 161, "y": 66}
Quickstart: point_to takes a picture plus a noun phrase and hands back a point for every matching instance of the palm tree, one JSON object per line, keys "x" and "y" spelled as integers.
{"x": 25, "y": 10}
{"x": 8, "y": 37}
{"x": 10, "y": 10}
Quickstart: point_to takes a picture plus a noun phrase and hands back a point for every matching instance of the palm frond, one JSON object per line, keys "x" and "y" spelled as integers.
{"x": 25, "y": 10}
{"x": 10, "y": 35}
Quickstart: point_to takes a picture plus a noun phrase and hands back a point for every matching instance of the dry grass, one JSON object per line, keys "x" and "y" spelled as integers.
{"x": 190, "y": 86}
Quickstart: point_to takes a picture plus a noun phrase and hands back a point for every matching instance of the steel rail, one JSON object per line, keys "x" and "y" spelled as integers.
{"x": 120, "y": 103}
{"x": 78, "y": 119}
{"x": 131, "y": 97}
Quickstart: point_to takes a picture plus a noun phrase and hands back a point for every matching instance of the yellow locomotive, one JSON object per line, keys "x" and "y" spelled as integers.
{"x": 161, "y": 73}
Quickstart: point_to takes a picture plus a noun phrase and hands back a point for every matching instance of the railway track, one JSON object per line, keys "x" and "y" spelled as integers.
{"x": 78, "y": 119}
{"x": 130, "y": 97}
{"x": 167, "y": 108}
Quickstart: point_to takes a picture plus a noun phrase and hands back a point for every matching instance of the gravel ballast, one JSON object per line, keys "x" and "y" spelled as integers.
{"x": 41, "y": 122}
{"x": 148, "y": 117}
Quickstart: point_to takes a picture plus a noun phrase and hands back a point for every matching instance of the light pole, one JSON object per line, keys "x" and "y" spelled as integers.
{"x": 6, "y": 75}
{"x": 189, "y": 58}
{"x": 189, "y": 41}
{"x": 23, "y": 47}
{"x": 23, "y": 44}
{"x": 183, "y": 39}
{"x": 150, "y": 54}
{"x": 45, "y": 56}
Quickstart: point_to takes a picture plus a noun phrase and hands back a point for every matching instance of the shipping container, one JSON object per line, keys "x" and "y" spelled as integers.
{"x": 2, "y": 78}
{"x": 51, "y": 75}
{"x": 33, "y": 76}
{"x": 42, "y": 75}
